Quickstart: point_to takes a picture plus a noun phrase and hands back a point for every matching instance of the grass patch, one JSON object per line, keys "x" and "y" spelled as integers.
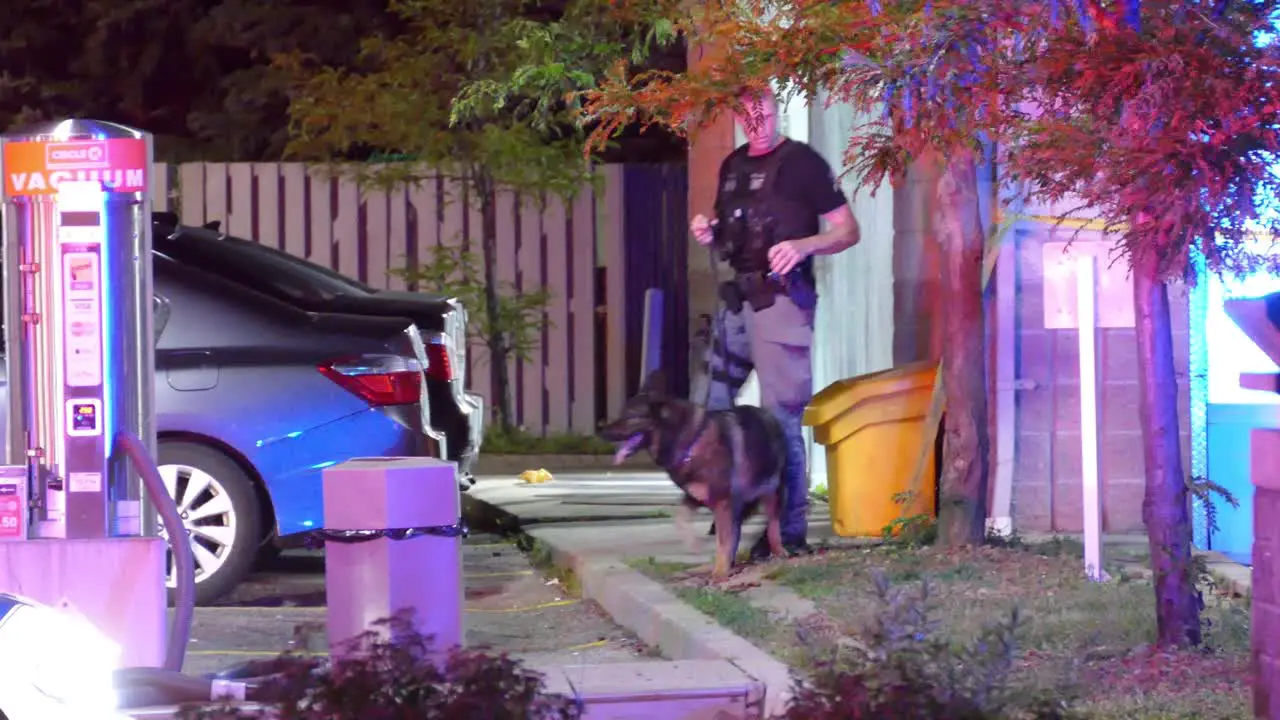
{"x": 520, "y": 442}
{"x": 730, "y": 610}
{"x": 1086, "y": 641}
{"x": 539, "y": 555}
{"x": 660, "y": 570}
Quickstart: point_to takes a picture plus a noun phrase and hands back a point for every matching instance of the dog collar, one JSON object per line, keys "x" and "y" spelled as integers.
{"x": 693, "y": 443}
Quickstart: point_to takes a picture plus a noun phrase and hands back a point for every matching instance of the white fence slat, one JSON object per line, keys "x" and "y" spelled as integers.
{"x": 346, "y": 228}
{"x": 215, "y": 193}
{"x": 529, "y": 272}
{"x": 397, "y": 238}
{"x": 293, "y": 177}
{"x": 377, "y": 216}
{"x": 160, "y": 187}
{"x": 320, "y": 188}
{"x": 555, "y": 226}
{"x": 192, "y": 193}
{"x": 239, "y": 220}
{"x": 583, "y": 310}
{"x": 269, "y": 209}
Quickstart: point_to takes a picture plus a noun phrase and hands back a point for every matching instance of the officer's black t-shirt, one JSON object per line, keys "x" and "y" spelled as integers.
{"x": 804, "y": 178}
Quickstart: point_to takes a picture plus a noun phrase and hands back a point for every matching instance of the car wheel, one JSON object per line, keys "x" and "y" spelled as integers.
{"x": 219, "y": 508}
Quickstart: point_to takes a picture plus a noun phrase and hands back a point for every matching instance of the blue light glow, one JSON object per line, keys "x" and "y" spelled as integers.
{"x": 1229, "y": 351}
{"x": 1198, "y": 371}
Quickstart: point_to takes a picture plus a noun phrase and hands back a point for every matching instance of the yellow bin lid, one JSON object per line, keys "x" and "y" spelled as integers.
{"x": 835, "y": 399}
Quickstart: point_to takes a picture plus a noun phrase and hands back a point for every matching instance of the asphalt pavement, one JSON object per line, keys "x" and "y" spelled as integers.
{"x": 510, "y": 606}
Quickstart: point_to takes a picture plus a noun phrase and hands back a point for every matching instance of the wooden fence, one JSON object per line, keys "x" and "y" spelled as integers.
{"x": 595, "y": 255}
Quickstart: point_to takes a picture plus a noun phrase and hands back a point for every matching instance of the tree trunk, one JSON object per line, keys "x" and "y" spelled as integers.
{"x": 962, "y": 507}
{"x": 497, "y": 342}
{"x": 1164, "y": 506}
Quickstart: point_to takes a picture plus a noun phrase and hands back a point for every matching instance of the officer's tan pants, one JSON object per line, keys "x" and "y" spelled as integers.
{"x": 776, "y": 342}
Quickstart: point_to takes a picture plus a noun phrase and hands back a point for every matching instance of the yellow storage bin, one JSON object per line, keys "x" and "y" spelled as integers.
{"x": 872, "y": 427}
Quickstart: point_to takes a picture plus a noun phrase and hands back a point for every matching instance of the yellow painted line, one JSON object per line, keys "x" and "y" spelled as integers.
{"x": 317, "y": 610}
{"x": 1088, "y": 223}
{"x": 1078, "y": 223}
{"x": 488, "y": 545}
{"x": 587, "y": 646}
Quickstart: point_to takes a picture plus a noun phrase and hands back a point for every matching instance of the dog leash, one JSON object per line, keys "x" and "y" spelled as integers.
{"x": 717, "y": 323}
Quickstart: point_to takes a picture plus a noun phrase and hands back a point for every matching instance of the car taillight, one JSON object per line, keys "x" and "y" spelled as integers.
{"x": 439, "y": 358}
{"x": 377, "y": 379}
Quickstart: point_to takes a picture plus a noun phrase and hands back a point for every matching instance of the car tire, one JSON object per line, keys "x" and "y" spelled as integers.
{"x": 225, "y": 532}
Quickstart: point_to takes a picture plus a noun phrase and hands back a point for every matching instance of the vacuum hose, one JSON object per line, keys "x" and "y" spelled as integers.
{"x": 183, "y": 561}
{"x": 142, "y": 687}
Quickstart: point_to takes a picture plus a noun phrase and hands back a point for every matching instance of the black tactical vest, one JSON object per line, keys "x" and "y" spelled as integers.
{"x": 754, "y": 217}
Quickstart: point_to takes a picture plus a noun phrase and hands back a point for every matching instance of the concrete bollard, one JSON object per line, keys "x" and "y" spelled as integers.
{"x": 367, "y": 580}
{"x": 1265, "y": 623}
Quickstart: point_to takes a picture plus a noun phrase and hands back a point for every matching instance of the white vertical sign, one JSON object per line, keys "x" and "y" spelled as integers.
{"x": 1087, "y": 319}
{"x": 1081, "y": 295}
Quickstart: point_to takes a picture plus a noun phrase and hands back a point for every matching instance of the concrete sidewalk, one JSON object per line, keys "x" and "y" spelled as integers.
{"x": 595, "y": 523}
{"x": 511, "y": 606}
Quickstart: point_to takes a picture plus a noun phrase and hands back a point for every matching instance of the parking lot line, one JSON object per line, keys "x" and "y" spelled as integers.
{"x": 269, "y": 653}
{"x": 586, "y": 646}
{"x": 526, "y": 608}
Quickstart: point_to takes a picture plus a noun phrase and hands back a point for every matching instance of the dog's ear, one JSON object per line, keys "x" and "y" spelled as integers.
{"x": 655, "y": 384}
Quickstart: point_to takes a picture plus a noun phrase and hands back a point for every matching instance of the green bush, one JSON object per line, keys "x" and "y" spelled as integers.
{"x": 397, "y": 679}
{"x": 905, "y": 671}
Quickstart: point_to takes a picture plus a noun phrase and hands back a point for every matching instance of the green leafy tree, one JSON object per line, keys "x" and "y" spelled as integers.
{"x": 400, "y": 100}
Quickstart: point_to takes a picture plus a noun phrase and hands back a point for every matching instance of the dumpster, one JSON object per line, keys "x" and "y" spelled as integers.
{"x": 872, "y": 427}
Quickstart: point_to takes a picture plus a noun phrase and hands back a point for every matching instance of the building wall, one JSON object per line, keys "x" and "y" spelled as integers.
{"x": 1047, "y": 466}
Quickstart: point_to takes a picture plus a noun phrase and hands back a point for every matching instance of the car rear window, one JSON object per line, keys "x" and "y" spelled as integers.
{"x": 258, "y": 267}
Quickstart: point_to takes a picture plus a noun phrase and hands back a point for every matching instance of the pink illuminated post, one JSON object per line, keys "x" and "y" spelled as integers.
{"x": 1257, "y": 318}
{"x": 369, "y": 581}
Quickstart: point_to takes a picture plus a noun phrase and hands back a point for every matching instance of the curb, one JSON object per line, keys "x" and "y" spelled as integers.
{"x": 1234, "y": 577}
{"x": 646, "y": 608}
{"x": 512, "y": 465}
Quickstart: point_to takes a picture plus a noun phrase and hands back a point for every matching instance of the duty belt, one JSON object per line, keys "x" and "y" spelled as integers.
{"x": 759, "y": 289}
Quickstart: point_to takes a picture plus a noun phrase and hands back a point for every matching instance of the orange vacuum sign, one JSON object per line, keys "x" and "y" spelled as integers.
{"x": 36, "y": 168}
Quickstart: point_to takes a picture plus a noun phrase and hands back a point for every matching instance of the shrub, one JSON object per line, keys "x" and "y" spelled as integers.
{"x": 393, "y": 676}
{"x": 905, "y": 671}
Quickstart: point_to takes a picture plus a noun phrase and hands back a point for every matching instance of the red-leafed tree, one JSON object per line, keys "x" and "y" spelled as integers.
{"x": 1161, "y": 119}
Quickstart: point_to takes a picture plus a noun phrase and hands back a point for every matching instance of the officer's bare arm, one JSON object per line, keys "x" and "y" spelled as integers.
{"x": 842, "y": 233}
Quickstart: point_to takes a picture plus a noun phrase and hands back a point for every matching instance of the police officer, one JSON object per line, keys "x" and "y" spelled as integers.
{"x": 773, "y": 198}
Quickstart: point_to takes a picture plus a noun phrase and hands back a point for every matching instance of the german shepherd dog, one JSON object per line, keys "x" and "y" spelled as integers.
{"x": 730, "y": 461}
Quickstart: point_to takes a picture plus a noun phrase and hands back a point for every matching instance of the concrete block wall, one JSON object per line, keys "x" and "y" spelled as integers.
{"x": 1047, "y": 474}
